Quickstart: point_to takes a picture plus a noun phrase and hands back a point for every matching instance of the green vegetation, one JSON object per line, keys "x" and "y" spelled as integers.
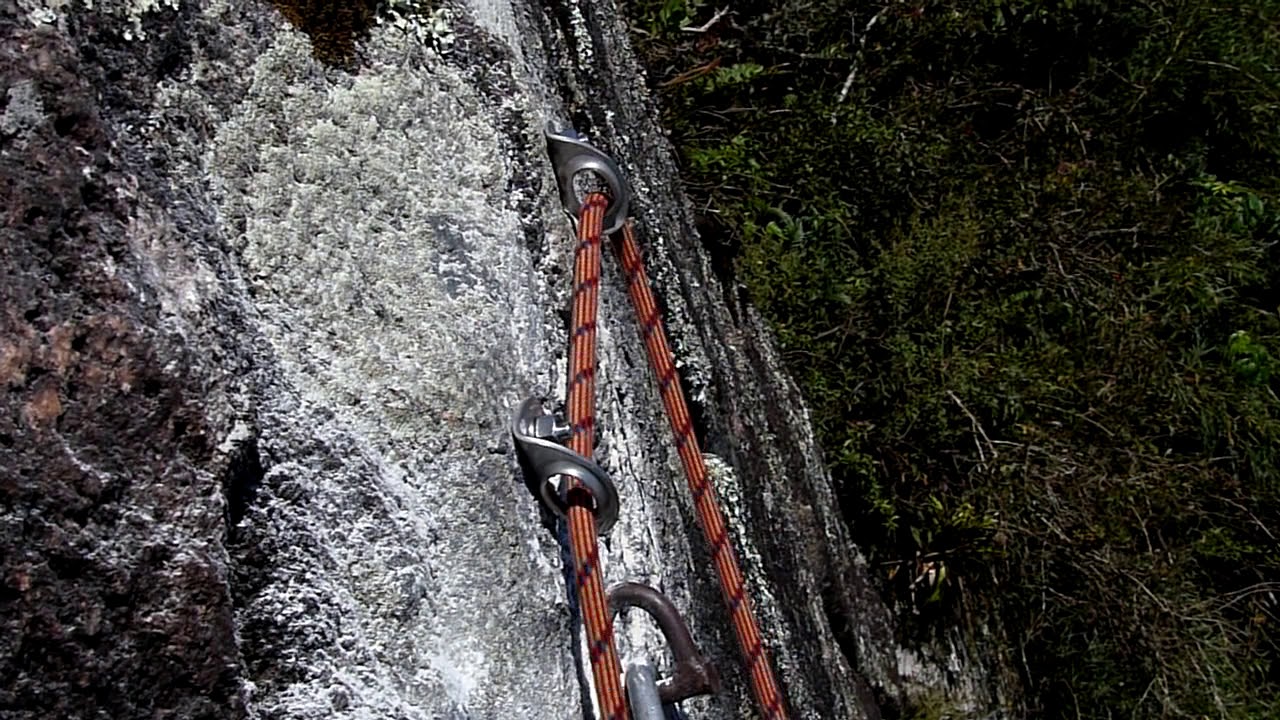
{"x": 1022, "y": 256}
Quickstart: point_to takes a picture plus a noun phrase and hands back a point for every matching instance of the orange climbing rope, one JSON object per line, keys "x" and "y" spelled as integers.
{"x": 763, "y": 683}
{"x": 605, "y": 668}
{"x": 572, "y": 156}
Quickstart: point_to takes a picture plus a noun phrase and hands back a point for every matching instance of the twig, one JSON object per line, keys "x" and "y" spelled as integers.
{"x": 1229, "y": 66}
{"x": 693, "y": 74}
{"x": 707, "y": 25}
{"x": 858, "y": 43}
{"x": 1253, "y": 517}
{"x": 1147, "y": 86}
{"x": 977, "y": 427}
{"x": 1114, "y": 231}
{"x": 1078, "y": 414}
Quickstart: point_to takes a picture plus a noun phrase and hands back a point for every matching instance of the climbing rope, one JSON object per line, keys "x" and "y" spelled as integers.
{"x": 573, "y": 486}
{"x": 605, "y": 668}
{"x": 763, "y": 684}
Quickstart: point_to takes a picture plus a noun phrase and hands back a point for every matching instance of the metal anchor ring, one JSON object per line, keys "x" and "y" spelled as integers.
{"x": 548, "y": 461}
{"x": 692, "y": 675}
{"x": 571, "y": 155}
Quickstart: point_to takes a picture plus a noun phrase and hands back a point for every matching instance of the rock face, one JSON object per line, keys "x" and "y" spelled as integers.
{"x": 263, "y": 323}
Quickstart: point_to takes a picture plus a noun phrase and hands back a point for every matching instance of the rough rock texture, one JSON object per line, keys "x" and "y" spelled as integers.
{"x": 115, "y": 594}
{"x": 262, "y": 325}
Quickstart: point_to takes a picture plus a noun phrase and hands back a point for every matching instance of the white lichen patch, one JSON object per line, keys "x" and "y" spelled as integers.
{"x": 23, "y": 111}
{"x": 51, "y": 12}
{"x": 183, "y": 281}
{"x": 44, "y": 12}
{"x": 433, "y": 27}
{"x": 372, "y": 223}
{"x": 499, "y": 19}
{"x": 375, "y": 215}
{"x": 724, "y": 479}
{"x": 134, "y": 10}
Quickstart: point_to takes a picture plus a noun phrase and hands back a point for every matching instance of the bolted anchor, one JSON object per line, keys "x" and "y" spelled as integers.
{"x": 692, "y": 675}
{"x": 571, "y": 154}
{"x": 536, "y": 434}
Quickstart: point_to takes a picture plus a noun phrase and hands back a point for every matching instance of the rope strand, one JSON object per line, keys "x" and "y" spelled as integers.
{"x": 588, "y": 581}
{"x": 606, "y": 670}
{"x": 763, "y": 683}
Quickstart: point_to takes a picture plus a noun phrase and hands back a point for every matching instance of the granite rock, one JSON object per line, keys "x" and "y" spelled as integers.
{"x": 264, "y": 321}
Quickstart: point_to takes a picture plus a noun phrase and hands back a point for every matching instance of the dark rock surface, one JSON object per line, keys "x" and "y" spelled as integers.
{"x": 115, "y": 595}
{"x": 262, "y": 323}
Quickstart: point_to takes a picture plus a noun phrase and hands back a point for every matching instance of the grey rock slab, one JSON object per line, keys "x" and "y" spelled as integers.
{"x": 380, "y": 237}
{"x": 265, "y": 321}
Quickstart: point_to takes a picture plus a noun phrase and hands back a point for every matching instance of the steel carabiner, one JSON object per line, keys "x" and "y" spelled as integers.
{"x": 692, "y": 675}
{"x": 643, "y": 696}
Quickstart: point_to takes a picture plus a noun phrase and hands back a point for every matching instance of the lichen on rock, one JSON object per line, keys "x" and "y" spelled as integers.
{"x": 264, "y": 326}
{"x": 334, "y": 26}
